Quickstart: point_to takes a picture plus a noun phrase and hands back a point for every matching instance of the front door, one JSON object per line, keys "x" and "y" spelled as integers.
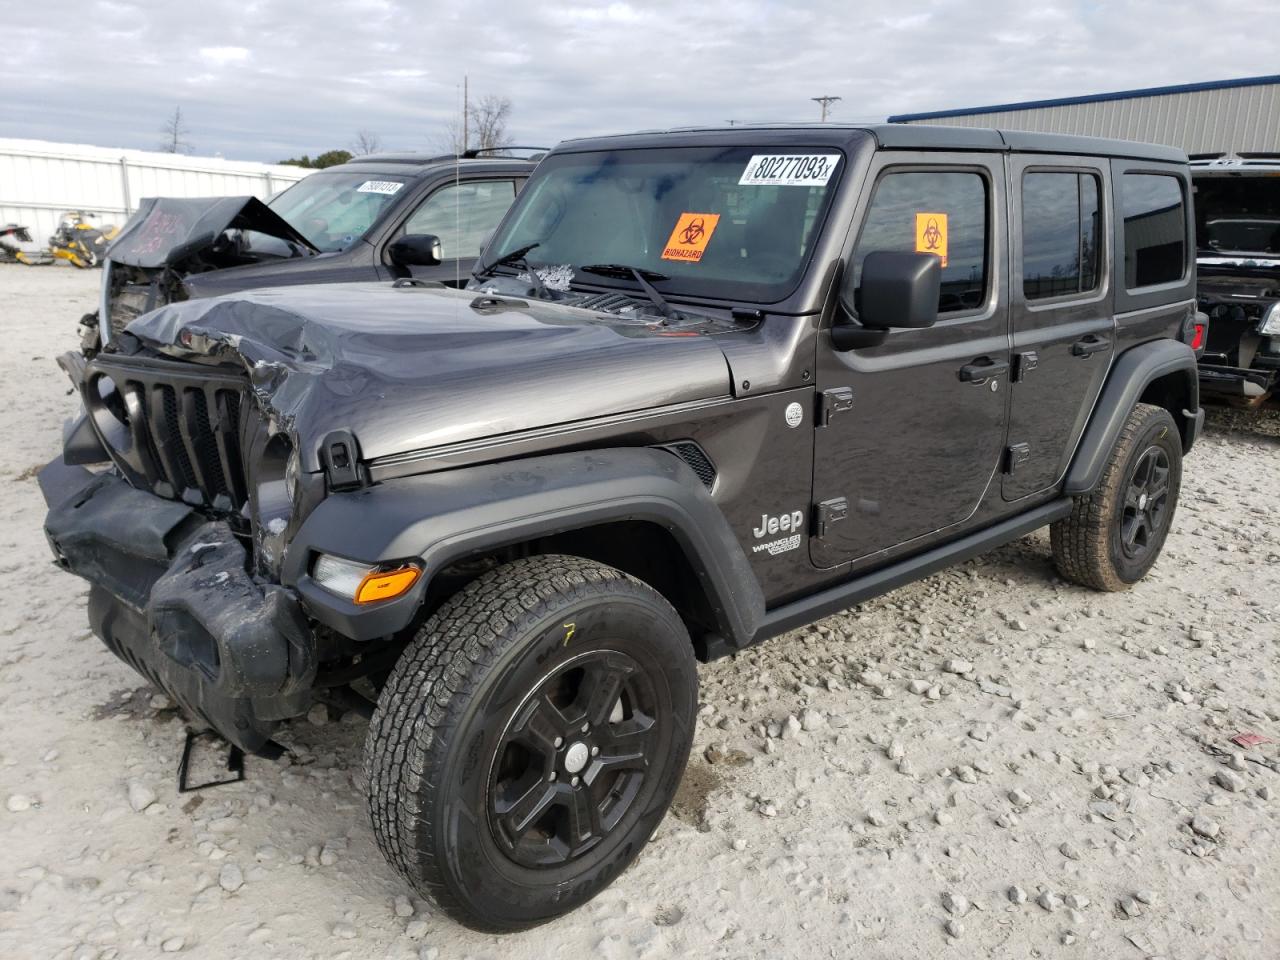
{"x": 1062, "y": 318}
{"x": 462, "y": 215}
{"x": 914, "y": 427}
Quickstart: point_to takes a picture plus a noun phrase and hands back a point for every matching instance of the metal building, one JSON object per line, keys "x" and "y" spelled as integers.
{"x": 40, "y": 180}
{"x": 1223, "y": 116}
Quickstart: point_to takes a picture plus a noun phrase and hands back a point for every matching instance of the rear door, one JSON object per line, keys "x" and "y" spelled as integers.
{"x": 911, "y": 431}
{"x": 1062, "y": 315}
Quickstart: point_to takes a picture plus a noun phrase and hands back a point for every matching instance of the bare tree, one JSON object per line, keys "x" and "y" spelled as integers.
{"x": 485, "y": 129}
{"x": 174, "y": 134}
{"x": 488, "y": 122}
{"x": 450, "y": 141}
{"x": 365, "y": 143}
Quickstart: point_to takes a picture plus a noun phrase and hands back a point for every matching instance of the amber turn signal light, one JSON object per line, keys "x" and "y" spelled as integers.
{"x": 386, "y": 584}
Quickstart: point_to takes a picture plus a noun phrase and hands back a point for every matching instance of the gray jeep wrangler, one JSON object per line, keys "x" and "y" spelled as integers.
{"x": 704, "y": 387}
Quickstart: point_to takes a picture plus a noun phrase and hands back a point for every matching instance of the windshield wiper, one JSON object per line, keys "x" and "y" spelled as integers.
{"x": 516, "y": 258}
{"x": 642, "y": 277}
{"x": 510, "y": 258}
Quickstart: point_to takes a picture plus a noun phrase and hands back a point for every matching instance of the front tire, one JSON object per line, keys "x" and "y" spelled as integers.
{"x": 530, "y": 739}
{"x": 1114, "y": 535}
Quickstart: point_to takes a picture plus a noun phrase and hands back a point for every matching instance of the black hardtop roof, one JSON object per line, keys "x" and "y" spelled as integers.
{"x": 888, "y": 136}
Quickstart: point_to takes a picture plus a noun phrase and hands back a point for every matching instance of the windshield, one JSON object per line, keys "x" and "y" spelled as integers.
{"x": 1238, "y": 215}
{"x": 333, "y": 210}
{"x": 733, "y": 223}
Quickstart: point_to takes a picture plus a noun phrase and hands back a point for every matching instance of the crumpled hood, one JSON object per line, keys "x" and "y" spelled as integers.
{"x": 407, "y": 368}
{"x": 167, "y": 230}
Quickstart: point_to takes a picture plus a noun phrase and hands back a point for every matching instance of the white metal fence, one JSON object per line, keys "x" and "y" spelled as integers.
{"x": 40, "y": 180}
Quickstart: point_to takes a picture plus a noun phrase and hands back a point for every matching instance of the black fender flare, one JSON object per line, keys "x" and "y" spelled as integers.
{"x": 442, "y": 517}
{"x": 1134, "y": 370}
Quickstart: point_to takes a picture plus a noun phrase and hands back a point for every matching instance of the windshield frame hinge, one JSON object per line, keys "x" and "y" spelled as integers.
{"x": 340, "y": 459}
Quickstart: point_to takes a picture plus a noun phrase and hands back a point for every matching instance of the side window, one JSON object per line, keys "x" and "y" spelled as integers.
{"x": 1155, "y": 229}
{"x": 941, "y": 212}
{"x": 463, "y": 215}
{"x": 1060, "y": 234}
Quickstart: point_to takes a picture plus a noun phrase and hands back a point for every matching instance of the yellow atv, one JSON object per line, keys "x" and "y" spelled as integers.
{"x": 80, "y": 242}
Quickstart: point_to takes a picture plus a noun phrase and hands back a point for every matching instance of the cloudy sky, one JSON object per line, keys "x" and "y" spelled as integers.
{"x": 266, "y": 79}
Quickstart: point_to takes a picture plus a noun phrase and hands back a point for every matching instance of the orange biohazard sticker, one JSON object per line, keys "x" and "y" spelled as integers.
{"x": 688, "y": 241}
{"x": 931, "y": 234}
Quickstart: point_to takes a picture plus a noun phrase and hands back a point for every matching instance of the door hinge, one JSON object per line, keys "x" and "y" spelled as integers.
{"x": 1023, "y": 364}
{"x": 828, "y": 512}
{"x": 833, "y": 401}
{"x": 1015, "y": 456}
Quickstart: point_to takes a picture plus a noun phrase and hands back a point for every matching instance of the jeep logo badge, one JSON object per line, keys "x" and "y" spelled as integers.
{"x": 794, "y": 414}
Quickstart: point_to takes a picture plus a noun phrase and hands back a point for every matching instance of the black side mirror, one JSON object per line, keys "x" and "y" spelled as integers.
{"x": 898, "y": 290}
{"x": 416, "y": 250}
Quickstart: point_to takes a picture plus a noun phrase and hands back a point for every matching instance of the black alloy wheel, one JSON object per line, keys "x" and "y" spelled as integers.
{"x": 1145, "y": 511}
{"x": 573, "y": 759}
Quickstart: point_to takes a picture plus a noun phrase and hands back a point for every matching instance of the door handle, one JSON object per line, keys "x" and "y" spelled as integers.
{"x": 1087, "y": 346}
{"x": 982, "y": 370}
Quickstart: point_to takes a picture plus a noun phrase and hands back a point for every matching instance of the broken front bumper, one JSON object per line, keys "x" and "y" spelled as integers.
{"x": 171, "y": 597}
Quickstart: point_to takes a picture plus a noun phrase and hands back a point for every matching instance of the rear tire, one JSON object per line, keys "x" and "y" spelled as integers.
{"x": 530, "y": 739}
{"x": 1114, "y": 535}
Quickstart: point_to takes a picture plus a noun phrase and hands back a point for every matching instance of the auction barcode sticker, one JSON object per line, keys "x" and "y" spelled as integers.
{"x": 379, "y": 186}
{"x": 789, "y": 169}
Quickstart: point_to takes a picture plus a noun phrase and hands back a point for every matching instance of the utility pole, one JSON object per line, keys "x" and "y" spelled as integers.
{"x": 465, "y": 111}
{"x": 826, "y": 103}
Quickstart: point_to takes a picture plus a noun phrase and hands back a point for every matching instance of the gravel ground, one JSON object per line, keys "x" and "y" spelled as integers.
{"x": 987, "y": 763}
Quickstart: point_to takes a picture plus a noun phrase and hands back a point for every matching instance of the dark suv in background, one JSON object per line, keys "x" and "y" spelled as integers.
{"x": 362, "y": 220}
{"x": 1237, "y": 202}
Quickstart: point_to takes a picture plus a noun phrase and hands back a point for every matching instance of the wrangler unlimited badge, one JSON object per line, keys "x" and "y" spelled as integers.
{"x": 788, "y": 523}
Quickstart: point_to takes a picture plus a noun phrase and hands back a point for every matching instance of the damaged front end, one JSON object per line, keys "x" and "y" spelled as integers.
{"x": 181, "y": 541}
{"x": 169, "y": 239}
{"x": 171, "y": 597}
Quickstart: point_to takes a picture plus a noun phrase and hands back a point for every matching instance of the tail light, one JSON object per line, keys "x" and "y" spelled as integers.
{"x": 1195, "y": 331}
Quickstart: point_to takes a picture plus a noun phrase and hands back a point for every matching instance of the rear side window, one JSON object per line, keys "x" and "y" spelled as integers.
{"x": 939, "y": 212}
{"x": 1060, "y": 234}
{"x": 1155, "y": 229}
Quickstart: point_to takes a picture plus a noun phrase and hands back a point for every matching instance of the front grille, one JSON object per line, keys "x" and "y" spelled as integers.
{"x": 172, "y": 428}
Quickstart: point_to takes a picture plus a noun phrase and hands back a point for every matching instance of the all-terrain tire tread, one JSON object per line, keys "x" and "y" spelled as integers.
{"x": 1081, "y": 540}
{"x": 423, "y": 699}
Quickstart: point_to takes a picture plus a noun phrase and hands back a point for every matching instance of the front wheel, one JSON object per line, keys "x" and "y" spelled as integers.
{"x": 530, "y": 740}
{"x": 1113, "y": 536}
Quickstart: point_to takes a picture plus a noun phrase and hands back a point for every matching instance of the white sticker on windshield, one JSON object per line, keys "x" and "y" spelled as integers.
{"x": 379, "y": 186}
{"x": 789, "y": 170}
